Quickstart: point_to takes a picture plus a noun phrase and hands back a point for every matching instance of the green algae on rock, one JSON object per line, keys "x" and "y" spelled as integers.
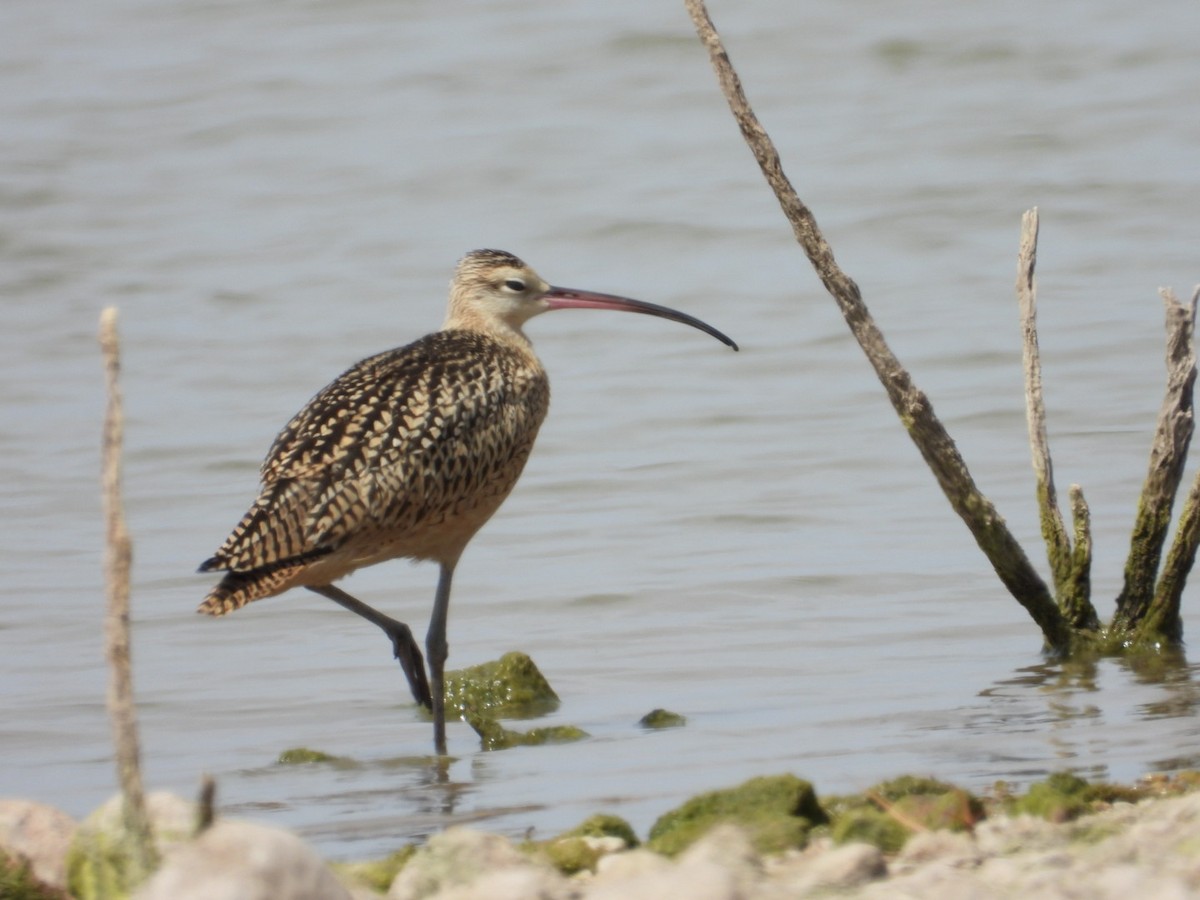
{"x": 1063, "y": 797}
{"x": 662, "y": 718}
{"x": 299, "y": 756}
{"x": 18, "y": 882}
{"x": 890, "y": 812}
{"x": 582, "y": 847}
{"x": 99, "y": 861}
{"x": 494, "y": 736}
{"x": 604, "y": 825}
{"x": 510, "y": 687}
{"x": 375, "y": 874}
{"x": 777, "y": 812}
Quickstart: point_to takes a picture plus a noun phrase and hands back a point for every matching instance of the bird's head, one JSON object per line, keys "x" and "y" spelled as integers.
{"x": 495, "y": 291}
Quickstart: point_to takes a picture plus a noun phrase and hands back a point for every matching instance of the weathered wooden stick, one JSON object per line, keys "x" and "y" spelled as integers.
{"x": 1167, "y": 457}
{"x": 1162, "y": 620}
{"x": 118, "y": 558}
{"x": 1058, "y": 544}
{"x": 1072, "y": 585}
{"x": 913, "y": 407}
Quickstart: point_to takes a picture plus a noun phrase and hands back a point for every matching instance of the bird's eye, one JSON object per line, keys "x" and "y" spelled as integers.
{"x": 515, "y": 284}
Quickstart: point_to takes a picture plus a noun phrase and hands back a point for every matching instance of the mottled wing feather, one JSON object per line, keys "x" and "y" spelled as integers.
{"x": 402, "y": 437}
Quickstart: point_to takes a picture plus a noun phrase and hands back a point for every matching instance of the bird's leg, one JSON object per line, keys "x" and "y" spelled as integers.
{"x": 438, "y": 650}
{"x": 404, "y": 645}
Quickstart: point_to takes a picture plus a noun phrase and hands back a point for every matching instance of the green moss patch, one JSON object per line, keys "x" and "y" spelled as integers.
{"x": 1063, "y": 797}
{"x": 300, "y": 756}
{"x": 103, "y": 862}
{"x": 581, "y": 848}
{"x": 494, "y": 736}
{"x": 890, "y": 812}
{"x": 377, "y": 874}
{"x": 510, "y": 687}
{"x": 17, "y": 881}
{"x": 777, "y": 812}
{"x": 662, "y": 718}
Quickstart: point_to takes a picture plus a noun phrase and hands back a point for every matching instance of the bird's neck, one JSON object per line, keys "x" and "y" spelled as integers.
{"x": 497, "y": 329}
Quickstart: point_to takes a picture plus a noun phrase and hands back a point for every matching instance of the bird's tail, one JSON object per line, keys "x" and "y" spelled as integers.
{"x": 237, "y": 589}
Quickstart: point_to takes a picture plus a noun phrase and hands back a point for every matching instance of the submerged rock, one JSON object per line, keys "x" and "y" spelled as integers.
{"x": 662, "y": 718}
{"x": 494, "y": 736}
{"x": 299, "y": 756}
{"x": 777, "y": 813}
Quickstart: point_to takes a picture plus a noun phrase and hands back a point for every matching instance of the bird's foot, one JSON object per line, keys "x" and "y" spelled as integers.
{"x": 408, "y": 653}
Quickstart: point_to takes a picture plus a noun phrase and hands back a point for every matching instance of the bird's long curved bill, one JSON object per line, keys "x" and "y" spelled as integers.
{"x": 567, "y": 298}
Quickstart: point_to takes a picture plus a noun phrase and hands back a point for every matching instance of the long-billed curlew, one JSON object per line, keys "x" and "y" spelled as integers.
{"x": 408, "y": 454}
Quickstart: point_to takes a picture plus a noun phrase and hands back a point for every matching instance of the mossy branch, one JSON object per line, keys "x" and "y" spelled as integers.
{"x": 1075, "y": 599}
{"x": 911, "y": 405}
{"x": 1071, "y": 570}
{"x": 118, "y": 559}
{"x": 1162, "y": 621}
{"x": 1168, "y": 454}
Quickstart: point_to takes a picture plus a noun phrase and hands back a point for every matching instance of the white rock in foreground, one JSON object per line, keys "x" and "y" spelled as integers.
{"x": 243, "y": 861}
{"x": 40, "y": 834}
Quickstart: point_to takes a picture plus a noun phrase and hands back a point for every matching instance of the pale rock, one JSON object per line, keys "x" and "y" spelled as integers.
{"x": 722, "y": 865}
{"x": 604, "y": 843}
{"x": 513, "y": 883}
{"x": 631, "y": 864}
{"x": 242, "y": 861}
{"x": 836, "y": 868}
{"x": 39, "y": 834}
{"x": 935, "y": 882}
{"x": 948, "y": 848}
{"x": 997, "y": 837}
{"x": 458, "y": 857}
{"x": 103, "y": 855}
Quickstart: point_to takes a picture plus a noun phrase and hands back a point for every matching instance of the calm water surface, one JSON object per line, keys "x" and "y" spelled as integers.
{"x": 270, "y": 191}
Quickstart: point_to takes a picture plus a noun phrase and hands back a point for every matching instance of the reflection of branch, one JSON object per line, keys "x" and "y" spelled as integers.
{"x": 912, "y": 406}
{"x": 1072, "y": 578}
{"x": 117, "y": 564}
{"x": 1167, "y": 458}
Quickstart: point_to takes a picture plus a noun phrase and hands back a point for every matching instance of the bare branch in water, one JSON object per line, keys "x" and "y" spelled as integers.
{"x": 911, "y": 405}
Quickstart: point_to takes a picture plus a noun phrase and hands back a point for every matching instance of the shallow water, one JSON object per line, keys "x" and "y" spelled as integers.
{"x": 271, "y": 191}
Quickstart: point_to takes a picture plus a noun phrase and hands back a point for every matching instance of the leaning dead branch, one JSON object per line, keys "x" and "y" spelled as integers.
{"x": 913, "y": 407}
{"x": 117, "y": 562}
{"x": 1071, "y": 569}
{"x": 1176, "y": 423}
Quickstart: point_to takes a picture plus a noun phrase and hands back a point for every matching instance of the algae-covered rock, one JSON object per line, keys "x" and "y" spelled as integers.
{"x": 100, "y": 863}
{"x": 1063, "y": 797}
{"x": 587, "y": 843}
{"x": 777, "y": 812}
{"x": 888, "y": 814}
{"x": 494, "y": 736}
{"x": 510, "y": 687}
{"x": 604, "y": 825}
{"x": 19, "y": 882}
{"x": 376, "y": 874}
{"x": 299, "y": 756}
{"x": 662, "y": 718}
